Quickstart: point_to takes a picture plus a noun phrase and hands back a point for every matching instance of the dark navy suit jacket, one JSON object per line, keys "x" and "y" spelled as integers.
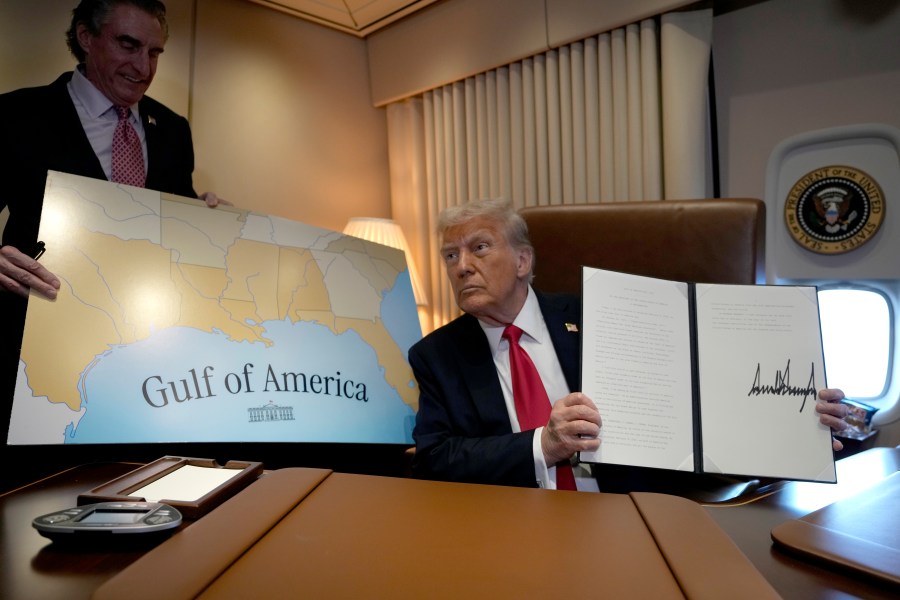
{"x": 462, "y": 428}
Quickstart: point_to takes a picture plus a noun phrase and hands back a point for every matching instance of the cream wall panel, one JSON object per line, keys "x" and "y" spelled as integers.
{"x": 33, "y": 55}
{"x": 455, "y": 39}
{"x": 571, "y": 20}
{"x": 840, "y": 68}
{"x": 282, "y": 118}
{"x": 450, "y": 40}
{"x": 172, "y": 84}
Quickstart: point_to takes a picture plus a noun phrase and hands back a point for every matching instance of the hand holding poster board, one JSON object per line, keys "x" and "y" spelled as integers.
{"x": 705, "y": 377}
{"x": 176, "y": 323}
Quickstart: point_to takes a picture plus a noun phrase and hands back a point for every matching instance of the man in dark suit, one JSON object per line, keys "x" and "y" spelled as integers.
{"x": 467, "y": 428}
{"x": 69, "y": 126}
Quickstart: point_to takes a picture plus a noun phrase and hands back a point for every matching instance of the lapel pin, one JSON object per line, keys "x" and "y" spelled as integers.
{"x": 571, "y": 327}
{"x": 151, "y": 120}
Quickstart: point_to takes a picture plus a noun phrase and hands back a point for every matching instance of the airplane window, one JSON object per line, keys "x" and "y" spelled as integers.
{"x": 856, "y": 326}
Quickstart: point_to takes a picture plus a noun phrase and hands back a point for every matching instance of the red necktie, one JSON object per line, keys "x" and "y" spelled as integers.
{"x": 530, "y": 398}
{"x": 127, "y": 154}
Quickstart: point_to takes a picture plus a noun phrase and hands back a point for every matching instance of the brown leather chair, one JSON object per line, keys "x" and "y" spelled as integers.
{"x": 701, "y": 241}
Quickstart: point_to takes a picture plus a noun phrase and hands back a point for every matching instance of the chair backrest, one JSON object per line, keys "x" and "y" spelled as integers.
{"x": 701, "y": 241}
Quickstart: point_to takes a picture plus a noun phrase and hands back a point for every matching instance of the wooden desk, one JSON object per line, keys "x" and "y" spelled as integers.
{"x": 30, "y": 567}
{"x": 749, "y": 525}
{"x": 338, "y": 535}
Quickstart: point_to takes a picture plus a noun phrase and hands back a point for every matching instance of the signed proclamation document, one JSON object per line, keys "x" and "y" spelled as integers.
{"x": 705, "y": 377}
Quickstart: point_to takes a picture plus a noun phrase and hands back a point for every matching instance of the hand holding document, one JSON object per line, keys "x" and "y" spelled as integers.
{"x": 705, "y": 377}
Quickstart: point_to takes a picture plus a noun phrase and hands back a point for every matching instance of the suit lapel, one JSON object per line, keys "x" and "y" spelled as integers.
{"x": 476, "y": 367}
{"x": 560, "y": 314}
{"x": 75, "y": 155}
{"x": 150, "y": 134}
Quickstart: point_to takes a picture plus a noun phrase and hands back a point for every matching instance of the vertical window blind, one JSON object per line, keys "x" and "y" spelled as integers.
{"x": 585, "y": 122}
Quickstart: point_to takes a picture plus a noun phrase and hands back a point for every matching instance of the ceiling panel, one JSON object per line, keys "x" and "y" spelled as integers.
{"x": 359, "y": 17}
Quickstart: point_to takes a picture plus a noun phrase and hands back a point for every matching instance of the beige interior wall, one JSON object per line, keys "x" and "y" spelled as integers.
{"x": 280, "y": 109}
{"x": 779, "y": 74}
{"x": 572, "y": 20}
{"x": 32, "y": 42}
{"x": 283, "y": 122}
{"x": 172, "y": 84}
{"x": 450, "y": 40}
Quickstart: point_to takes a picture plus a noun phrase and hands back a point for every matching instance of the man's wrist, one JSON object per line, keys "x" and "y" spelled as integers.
{"x": 541, "y": 472}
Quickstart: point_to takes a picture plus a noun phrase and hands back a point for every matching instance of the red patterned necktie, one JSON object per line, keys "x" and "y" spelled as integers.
{"x": 530, "y": 398}
{"x": 127, "y": 154}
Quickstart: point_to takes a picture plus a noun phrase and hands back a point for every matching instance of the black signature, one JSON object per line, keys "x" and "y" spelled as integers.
{"x": 782, "y": 385}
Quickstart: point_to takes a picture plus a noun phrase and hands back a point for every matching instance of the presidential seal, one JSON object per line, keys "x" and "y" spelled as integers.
{"x": 834, "y": 209}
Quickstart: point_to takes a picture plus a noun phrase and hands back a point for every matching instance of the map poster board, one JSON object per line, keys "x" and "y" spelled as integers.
{"x": 180, "y": 323}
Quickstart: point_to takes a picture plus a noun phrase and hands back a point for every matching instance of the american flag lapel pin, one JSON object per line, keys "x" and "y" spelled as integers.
{"x": 571, "y": 327}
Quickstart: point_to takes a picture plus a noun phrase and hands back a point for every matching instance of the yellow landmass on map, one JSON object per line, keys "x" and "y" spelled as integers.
{"x": 252, "y": 271}
{"x": 203, "y": 306}
{"x": 301, "y": 284}
{"x": 117, "y": 292}
{"x": 304, "y": 295}
{"x": 196, "y": 234}
{"x": 378, "y": 264}
{"x": 397, "y": 371}
{"x": 103, "y": 297}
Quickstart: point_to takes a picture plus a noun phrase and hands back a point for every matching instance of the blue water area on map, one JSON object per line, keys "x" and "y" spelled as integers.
{"x": 399, "y": 313}
{"x": 183, "y": 384}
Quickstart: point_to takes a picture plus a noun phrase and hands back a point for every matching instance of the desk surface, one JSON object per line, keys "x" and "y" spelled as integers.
{"x": 337, "y": 535}
{"x": 749, "y": 524}
{"x": 30, "y": 567}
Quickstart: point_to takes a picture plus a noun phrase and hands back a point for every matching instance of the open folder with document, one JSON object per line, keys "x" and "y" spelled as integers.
{"x": 705, "y": 377}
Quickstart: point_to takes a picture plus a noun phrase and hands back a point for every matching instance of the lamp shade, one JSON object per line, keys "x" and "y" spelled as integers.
{"x": 388, "y": 233}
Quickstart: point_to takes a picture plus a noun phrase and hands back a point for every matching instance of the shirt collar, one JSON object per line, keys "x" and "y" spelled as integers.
{"x": 528, "y": 320}
{"x": 94, "y": 102}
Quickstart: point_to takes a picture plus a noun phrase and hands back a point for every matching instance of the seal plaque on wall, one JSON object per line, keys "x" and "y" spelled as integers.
{"x": 834, "y": 209}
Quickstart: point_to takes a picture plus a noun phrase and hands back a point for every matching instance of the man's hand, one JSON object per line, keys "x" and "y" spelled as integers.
{"x": 574, "y": 426}
{"x": 213, "y": 201}
{"x": 20, "y": 273}
{"x": 832, "y": 413}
